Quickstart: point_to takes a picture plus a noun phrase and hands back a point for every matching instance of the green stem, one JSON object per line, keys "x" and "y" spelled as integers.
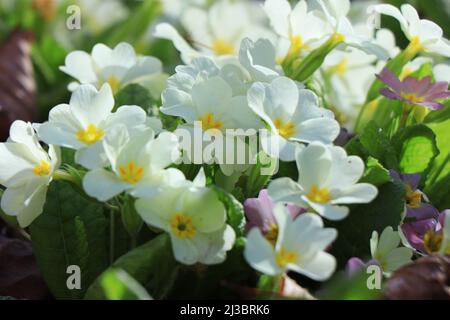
{"x": 405, "y": 115}
{"x": 112, "y": 227}
{"x": 64, "y": 176}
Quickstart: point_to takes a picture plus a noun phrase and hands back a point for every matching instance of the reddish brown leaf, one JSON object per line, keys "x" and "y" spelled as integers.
{"x": 426, "y": 278}
{"x": 19, "y": 275}
{"x": 17, "y": 84}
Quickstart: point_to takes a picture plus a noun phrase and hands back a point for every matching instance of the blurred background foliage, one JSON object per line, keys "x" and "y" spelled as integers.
{"x": 40, "y": 25}
{"x": 132, "y": 21}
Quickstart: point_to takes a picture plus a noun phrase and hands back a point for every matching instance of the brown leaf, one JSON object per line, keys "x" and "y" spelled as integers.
{"x": 17, "y": 84}
{"x": 424, "y": 279}
{"x": 19, "y": 275}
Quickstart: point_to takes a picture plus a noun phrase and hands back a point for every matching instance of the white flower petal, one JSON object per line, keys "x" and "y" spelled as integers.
{"x": 90, "y": 106}
{"x": 320, "y": 268}
{"x": 103, "y": 185}
{"x": 358, "y": 193}
{"x": 285, "y": 190}
{"x": 260, "y": 254}
{"x": 78, "y": 64}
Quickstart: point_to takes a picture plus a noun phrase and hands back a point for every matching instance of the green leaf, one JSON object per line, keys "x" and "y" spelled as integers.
{"x": 355, "y": 231}
{"x": 416, "y": 148}
{"x": 134, "y": 94}
{"x": 152, "y": 265}
{"x": 438, "y": 177}
{"x": 70, "y": 231}
{"x": 343, "y": 287}
{"x": 376, "y": 144}
{"x": 136, "y": 24}
{"x": 235, "y": 211}
{"x": 260, "y": 174}
{"x": 375, "y": 173}
{"x": 119, "y": 285}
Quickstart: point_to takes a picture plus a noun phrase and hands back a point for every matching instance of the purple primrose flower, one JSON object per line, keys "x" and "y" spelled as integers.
{"x": 414, "y": 91}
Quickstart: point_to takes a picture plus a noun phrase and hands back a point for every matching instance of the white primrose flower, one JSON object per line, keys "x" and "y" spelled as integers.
{"x": 211, "y": 102}
{"x": 348, "y": 76}
{"x": 195, "y": 220}
{"x": 138, "y": 165}
{"x": 300, "y": 30}
{"x": 292, "y": 115}
{"x": 327, "y": 180}
{"x": 26, "y": 170}
{"x": 259, "y": 59}
{"x": 424, "y": 34}
{"x": 216, "y": 32}
{"x": 299, "y": 247}
{"x": 100, "y": 15}
{"x": 174, "y": 8}
{"x": 117, "y": 67}
{"x": 386, "y": 251}
{"x": 341, "y": 29}
{"x": 442, "y": 72}
{"x": 86, "y": 121}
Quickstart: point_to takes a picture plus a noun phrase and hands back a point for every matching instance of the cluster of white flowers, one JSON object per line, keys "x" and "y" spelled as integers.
{"x": 239, "y": 73}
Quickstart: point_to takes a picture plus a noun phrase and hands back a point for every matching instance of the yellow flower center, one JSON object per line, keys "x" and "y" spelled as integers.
{"x": 297, "y": 45}
{"x": 182, "y": 226}
{"x": 413, "y": 198}
{"x": 222, "y": 47}
{"x": 432, "y": 241}
{"x": 43, "y": 169}
{"x": 131, "y": 173}
{"x": 321, "y": 195}
{"x": 272, "y": 233}
{"x": 208, "y": 122}
{"x": 286, "y": 130}
{"x": 411, "y": 97}
{"x": 284, "y": 257}
{"x": 91, "y": 135}
{"x": 405, "y": 72}
{"x": 114, "y": 83}
{"x": 341, "y": 68}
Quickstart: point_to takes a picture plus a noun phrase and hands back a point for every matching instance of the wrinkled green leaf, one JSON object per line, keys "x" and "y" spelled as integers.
{"x": 152, "y": 265}
{"x": 70, "y": 231}
{"x": 416, "y": 148}
{"x": 438, "y": 178}
{"x": 375, "y": 173}
{"x": 356, "y": 230}
{"x": 134, "y": 94}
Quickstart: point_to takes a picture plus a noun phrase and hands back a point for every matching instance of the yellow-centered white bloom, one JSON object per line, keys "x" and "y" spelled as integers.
{"x": 300, "y": 30}
{"x": 138, "y": 165}
{"x": 424, "y": 34}
{"x": 348, "y": 74}
{"x": 26, "y": 170}
{"x": 327, "y": 180}
{"x": 300, "y": 246}
{"x": 217, "y": 31}
{"x": 117, "y": 67}
{"x": 86, "y": 121}
{"x": 195, "y": 220}
{"x": 293, "y": 115}
{"x": 341, "y": 30}
{"x": 386, "y": 251}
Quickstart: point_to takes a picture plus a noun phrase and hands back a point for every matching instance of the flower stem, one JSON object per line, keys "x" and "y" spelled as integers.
{"x": 405, "y": 115}
{"x": 112, "y": 230}
{"x": 64, "y": 176}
